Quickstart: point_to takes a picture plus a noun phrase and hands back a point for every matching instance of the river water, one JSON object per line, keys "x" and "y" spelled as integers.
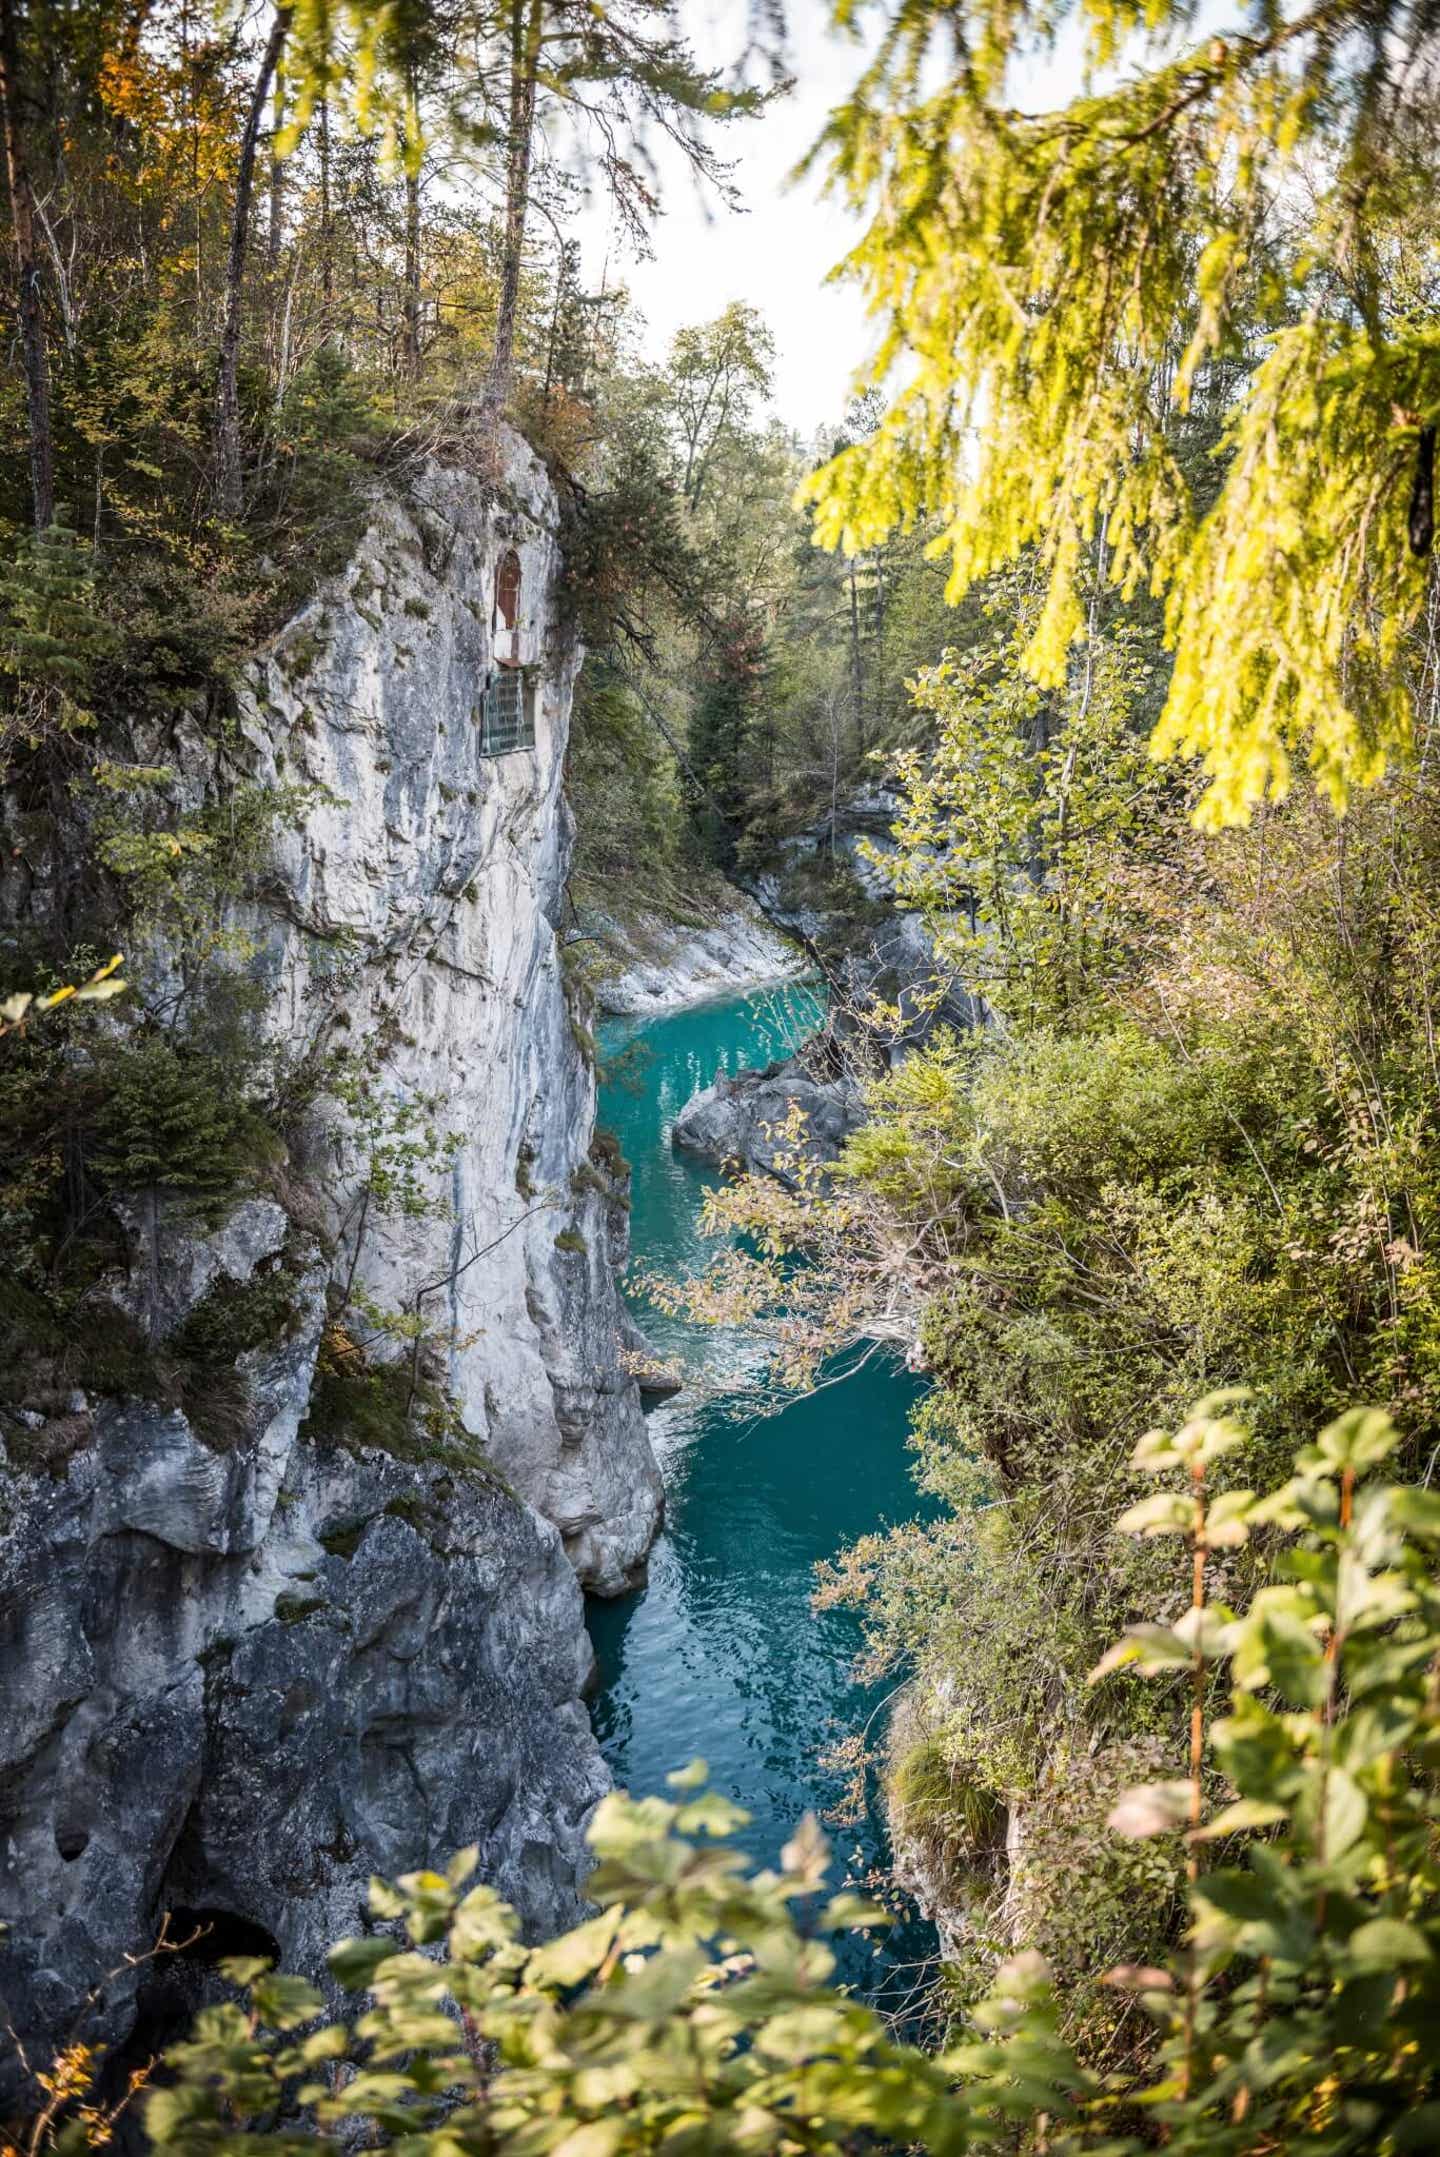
{"x": 721, "y": 1655}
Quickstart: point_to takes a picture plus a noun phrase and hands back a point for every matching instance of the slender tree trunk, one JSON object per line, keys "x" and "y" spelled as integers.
{"x": 275, "y": 235}
{"x": 857, "y": 678}
{"x": 282, "y": 357}
{"x": 229, "y": 483}
{"x": 32, "y": 318}
{"x": 410, "y": 336}
{"x": 410, "y": 296}
{"x": 327, "y": 256}
{"x": 551, "y": 341}
{"x": 526, "y": 21}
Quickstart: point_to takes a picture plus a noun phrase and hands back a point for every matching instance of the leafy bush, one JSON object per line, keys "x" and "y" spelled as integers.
{"x": 694, "y": 2012}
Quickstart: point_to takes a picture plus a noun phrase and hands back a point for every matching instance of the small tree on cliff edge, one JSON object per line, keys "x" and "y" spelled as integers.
{"x": 621, "y": 77}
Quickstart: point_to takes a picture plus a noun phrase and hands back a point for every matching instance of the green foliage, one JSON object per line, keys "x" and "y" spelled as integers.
{"x": 631, "y": 842}
{"x": 368, "y": 1403}
{"x": 53, "y": 636}
{"x": 180, "y": 874}
{"x": 607, "y": 1154}
{"x": 1029, "y": 820}
{"x": 399, "y": 1139}
{"x": 174, "y": 1120}
{"x": 85, "y": 1116}
{"x": 717, "y": 371}
{"x": 933, "y": 1801}
{"x": 235, "y": 1317}
{"x": 694, "y": 2010}
{"x": 691, "y": 2012}
{"x": 723, "y": 729}
{"x": 1074, "y": 289}
{"x": 51, "y": 1346}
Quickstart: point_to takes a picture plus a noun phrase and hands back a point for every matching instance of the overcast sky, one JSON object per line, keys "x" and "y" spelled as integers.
{"x": 778, "y": 252}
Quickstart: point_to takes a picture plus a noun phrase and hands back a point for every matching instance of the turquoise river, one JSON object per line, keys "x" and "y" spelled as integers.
{"x": 721, "y": 1656}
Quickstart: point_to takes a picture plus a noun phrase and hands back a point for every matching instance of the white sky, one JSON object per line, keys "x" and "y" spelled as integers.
{"x": 776, "y": 254}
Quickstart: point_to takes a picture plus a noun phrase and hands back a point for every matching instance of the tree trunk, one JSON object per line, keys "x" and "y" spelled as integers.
{"x": 410, "y": 337}
{"x": 857, "y": 677}
{"x": 32, "y": 318}
{"x": 526, "y": 21}
{"x": 274, "y": 235}
{"x": 229, "y": 485}
{"x": 327, "y": 253}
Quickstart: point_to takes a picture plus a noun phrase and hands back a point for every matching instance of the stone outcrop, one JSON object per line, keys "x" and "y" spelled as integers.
{"x": 294, "y": 1613}
{"x": 827, "y": 892}
{"x": 768, "y": 1120}
{"x": 412, "y": 926}
{"x": 826, "y": 889}
{"x": 238, "y": 1677}
{"x": 651, "y": 964}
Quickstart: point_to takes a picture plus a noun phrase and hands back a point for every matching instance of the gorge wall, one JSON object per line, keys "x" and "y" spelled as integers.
{"x": 256, "y": 1644}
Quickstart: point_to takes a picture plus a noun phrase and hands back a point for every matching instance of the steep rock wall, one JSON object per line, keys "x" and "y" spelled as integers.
{"x": 238, "y": 1677}
{"x": 248, "y": 1653}
{"x": 413, "y": 921}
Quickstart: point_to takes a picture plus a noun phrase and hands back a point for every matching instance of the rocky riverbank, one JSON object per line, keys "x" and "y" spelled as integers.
{"x": 649, "y": 963}
{"x": 766, "y": 1121}
{"x": 888, "y": 994}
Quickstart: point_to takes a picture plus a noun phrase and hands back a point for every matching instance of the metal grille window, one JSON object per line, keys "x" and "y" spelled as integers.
{"x": 507, "y": 713}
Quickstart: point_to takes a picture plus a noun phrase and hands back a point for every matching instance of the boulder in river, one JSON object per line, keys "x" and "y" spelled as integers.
{"x": 749, "y": 1122}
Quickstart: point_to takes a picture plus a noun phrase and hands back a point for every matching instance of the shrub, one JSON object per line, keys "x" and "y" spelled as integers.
{"x": 694, "y": 2012}
{"x": 961, "y": 1820}
{"x": 390, "y": 1407}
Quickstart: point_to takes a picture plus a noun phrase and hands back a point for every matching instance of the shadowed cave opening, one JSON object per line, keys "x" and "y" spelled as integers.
{"x": 173, "y": 1987}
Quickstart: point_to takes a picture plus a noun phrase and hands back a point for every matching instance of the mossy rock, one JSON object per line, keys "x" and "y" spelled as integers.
{"x": 960, "y": 1821}
{"x": 608, "y": 1155}
{"x": 360, "y": 1407}
{"x": 101, "y": 1351}
{"x": 343, "y": 1539}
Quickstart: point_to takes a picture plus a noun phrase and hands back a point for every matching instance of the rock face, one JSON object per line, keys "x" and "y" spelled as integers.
{"x": 669, "y": 963}
{"x": 745, "y": 1122}
{"x": 262, "y": 1631}
{"x": 827, "y": 892}
{"x": 413, "y": 929}
{"x": 236, "y": 1680}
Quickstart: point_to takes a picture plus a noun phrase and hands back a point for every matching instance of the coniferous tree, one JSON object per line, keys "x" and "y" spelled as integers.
{"x": 28, "y": 273}
{"x": 612, "y": 75}
{"x": 1067, "y": 281}
{"x": 723, "y": 729}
